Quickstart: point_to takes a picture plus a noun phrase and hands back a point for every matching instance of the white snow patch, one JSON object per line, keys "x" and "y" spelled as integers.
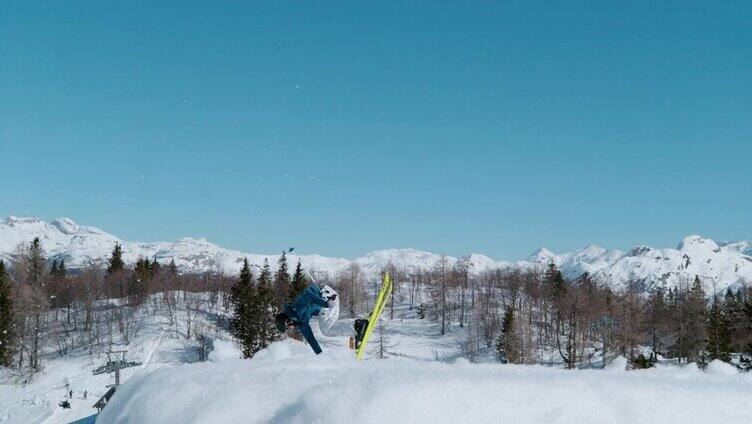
{"x": 618, "y": 365}
{"x": 224, "y": 350}
{"x": 718, "y": 367}
{"x": 288, "y": 384}
{"x": 690, "y": 369}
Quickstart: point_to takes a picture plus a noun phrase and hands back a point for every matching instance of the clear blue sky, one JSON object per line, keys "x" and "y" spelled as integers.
{"x": 345, "y": 127}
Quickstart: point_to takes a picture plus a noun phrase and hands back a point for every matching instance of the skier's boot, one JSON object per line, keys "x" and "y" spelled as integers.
{"x": 360, "y": 330}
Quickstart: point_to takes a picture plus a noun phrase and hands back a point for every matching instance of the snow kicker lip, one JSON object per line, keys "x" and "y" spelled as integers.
{"x": 288, "y": 385}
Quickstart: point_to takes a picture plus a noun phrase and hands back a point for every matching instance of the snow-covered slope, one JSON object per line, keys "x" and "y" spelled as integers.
{"x": 287, "y": 384}
{"x": 81, "y": 246}
{"x": 424, "y": 379}
{"x": 719, "y": 265}
{"x": 406, "y": 259}
{"x": 591, "y": 259}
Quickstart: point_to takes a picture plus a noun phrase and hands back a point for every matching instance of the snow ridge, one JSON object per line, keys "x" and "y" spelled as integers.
{"x": 719, "y": 265}
{"x": 334, "y": 388}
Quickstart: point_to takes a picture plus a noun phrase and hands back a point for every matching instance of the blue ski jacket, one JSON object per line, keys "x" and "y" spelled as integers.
{"x": 306, "y": 305}
{"x": 302, "y": 309}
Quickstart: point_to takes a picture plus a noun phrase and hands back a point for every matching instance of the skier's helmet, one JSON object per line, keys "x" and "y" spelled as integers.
{"x": 328, "y": 292}
{"x": 330, "y": 314}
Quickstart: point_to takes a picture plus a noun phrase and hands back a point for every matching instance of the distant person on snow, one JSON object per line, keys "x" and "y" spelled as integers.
{"x": 307, "y": 305}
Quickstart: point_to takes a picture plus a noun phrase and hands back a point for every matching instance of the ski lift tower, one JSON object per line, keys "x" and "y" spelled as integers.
{"x": 113, "y": 366}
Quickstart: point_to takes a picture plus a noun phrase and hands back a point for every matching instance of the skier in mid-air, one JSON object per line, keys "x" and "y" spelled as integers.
{"x": 307, "y": 305}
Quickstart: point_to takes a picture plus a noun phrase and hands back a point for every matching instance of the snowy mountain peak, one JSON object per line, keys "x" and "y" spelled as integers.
{"x": 65, "y": 225}
{"x": 743, "y": 247}
{"x": 542, "y": 256}
{"x": 641, "y": 250}
{"x": 407, "y": 259}
{"x": 726, "y": 265}
{"x": 400, "y": 256}
{"x": 15, "y": 220}
{"x": 698, "y": 243}
{"x": 406, "y": 252}
{"x": 201, "y": 241}
{"x": 479, "y": 263}
{"x": 592, "y": 250}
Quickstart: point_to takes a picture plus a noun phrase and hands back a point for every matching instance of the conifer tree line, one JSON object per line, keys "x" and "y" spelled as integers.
{"x": 533, "y": 316}
{"x": 256, "y": 301}
{"x": 518, "y": 315}
{"x": 6, "y": 319}
{"x": 48, "y": 311}
{"x": 254, "y": 308}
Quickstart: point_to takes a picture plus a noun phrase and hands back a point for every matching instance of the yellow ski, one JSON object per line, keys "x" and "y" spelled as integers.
{"x": 381, "y": 300}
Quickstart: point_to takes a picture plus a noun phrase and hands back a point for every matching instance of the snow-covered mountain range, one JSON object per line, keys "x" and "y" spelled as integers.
{"x": 719, "y": 265}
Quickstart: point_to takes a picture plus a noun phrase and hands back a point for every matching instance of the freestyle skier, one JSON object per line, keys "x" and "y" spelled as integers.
{"x": 307, "y": 305}
{"x": 313, "y": 299}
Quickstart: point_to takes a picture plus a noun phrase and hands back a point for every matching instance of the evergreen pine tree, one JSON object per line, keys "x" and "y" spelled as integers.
{"x": 172, "y": 269}
{"x": 298, "y": 283}
{"x": 35, "y": 264}
{"x": 733, "y": 311}
{"x": 116, "y": 263}
{"x": 6, "y": 318}
{"x": 696, "y": 320}
{"x": 746, "y": 342}
{"x": 264, "y": 310}
{"x": 563, "y": 312}
{"x": 138, "y": 288}
{"x": 242, "y": 297}
{"x": 508, "y": 345}
{"x": 656, "y": 320}
{"x": 154, "y": 269}
{"x": 65, "y": 293}
{"x": 281, "y": 281}
{"x": 421, "y": 311}
{"x": 719, "y": 341}
{"x": 142, "y": 270}
{"x": 58, "y": 290}
{"x": 62, "y": 271}
{"x": 557, "y": 285}
{"x": 36, "y": 278}
{"x": 640, "y": 362}
{"x": 52, "y": 286}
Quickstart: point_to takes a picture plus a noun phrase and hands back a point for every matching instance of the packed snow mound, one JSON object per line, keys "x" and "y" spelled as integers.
{"x": 617, "y": 365}
{"x": 224, "y": 350}
{"x": 718, "y": 367}
{"x": 288, "y": 384}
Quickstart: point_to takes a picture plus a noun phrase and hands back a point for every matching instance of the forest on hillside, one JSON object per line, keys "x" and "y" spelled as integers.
{"x": 524, "y": 316}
